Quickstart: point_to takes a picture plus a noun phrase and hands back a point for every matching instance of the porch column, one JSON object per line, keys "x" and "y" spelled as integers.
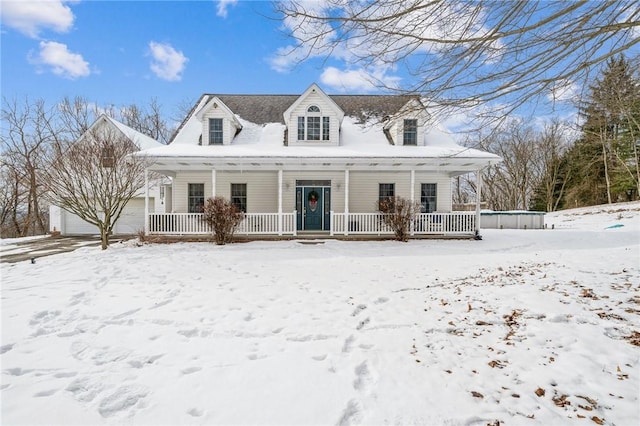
{"x": 478, "y": 198}
{"x": 346, "y": 202}
{"x": 413, "y": 197}
{"x": 213, "y": 183}
{"x": 280, "y": 202}
{"x": 146, "y": 201}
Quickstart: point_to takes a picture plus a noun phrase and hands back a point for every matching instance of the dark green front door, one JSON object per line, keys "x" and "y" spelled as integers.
{"x": 313, "y": 208}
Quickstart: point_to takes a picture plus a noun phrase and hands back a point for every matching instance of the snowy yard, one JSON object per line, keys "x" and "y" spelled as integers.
{"x": 523, "y": 327}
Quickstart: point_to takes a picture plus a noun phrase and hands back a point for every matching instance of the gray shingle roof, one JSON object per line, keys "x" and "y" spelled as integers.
{"x": 261, "y": 109}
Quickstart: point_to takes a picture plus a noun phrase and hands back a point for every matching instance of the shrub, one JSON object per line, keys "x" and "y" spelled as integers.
{"x": 399, "y": 213}
{"x": 223, "y": 217}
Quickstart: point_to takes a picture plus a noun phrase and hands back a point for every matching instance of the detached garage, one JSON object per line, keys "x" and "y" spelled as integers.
{"x": 132, "y": 218}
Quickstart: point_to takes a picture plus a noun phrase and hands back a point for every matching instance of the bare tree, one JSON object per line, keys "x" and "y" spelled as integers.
{"x": 464, "y": 54}
{"x": 77, "y": 115}
{"x": 148, "y": 121}
{"x": 531, "y": 173}
{"x": 551, "y": 148}
{"x": 12, "y": 196}
{"x": 223, "y": 218}
{"x": 95, "y": 177}
{"x": 398, "y": 214}
{"x": 25, "y": 144}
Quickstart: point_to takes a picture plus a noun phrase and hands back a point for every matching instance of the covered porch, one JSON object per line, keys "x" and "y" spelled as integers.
{"x": 341, "y": 191}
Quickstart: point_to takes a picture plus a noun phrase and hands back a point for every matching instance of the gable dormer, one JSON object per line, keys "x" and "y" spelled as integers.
{"x": 314, "y": 119}
{"x": 219, "y": 123}
{"x": 406, "y": 128}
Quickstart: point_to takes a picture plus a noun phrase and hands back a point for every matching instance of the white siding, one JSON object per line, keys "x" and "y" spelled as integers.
{"x": 364, "y": 188}
{"x": 262, "y": 189}
{"x": 228, "y": 129}
{"x": 397, "y": 128}
{"x": 181, "y": 188}
{"x": 443, "y": 182}
{"x": 327, "y": 109}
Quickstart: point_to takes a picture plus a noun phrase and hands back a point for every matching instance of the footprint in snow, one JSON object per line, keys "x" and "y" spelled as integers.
{"x": 190, "y": 370}
{"x": 195, "y": 412}
{"x": 124, "y": 398}
{"x": 358, "y": 309}
{"x": 45, "y": 393}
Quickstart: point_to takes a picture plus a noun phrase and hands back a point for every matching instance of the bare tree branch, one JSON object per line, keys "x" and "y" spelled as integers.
{"x": 462, "y": 54}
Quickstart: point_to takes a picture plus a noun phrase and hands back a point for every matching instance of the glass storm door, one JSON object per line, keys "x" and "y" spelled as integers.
{"x": 313, "y": 208}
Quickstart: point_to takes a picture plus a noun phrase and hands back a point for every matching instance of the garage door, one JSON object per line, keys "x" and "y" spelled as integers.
{"x": 73, "y": 225}
{"x": 130, "y": 222}
{"x": 132, "y": 218}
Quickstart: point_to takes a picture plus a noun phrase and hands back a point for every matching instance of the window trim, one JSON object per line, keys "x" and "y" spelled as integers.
{"x": 239, "y": 200}
{"x": 410, "y": 132}
{"x": 313, "y": 126}
{"x": 216, "y": 137}
{"x": 425, "y": 198}
{"x": 193, "y": 198}
{"x": 385, "y": 191}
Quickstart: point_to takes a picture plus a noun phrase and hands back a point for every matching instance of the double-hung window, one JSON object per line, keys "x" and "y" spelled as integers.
{"x": 239, "y": 196}
{"x": 428, "y": 197}
{"x": 410, "y": 135}
{"x": 385, "y": 192}
{"x": 313, "y": 126}
{"x": 215, "y": 131}
{"x": 196, "y": 197}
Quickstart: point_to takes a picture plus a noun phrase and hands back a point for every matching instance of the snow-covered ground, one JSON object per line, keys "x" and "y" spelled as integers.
{"x": 523, "y": 327}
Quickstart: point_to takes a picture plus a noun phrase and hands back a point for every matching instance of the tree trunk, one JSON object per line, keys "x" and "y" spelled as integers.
{"x": 104, "y": 237}
{"x": 606, "y": 171}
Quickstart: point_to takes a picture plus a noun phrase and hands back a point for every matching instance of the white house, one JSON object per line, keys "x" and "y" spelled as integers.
{"x": 132, "y": 218}
{"x": 311, "y": 164}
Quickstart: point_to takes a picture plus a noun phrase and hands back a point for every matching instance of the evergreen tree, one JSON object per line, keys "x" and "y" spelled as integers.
{"x": 603, "y": 164}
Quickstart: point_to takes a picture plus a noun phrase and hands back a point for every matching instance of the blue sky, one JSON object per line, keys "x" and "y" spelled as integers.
{"x": 128, "y": 52}
{"x": 124, "y": 52}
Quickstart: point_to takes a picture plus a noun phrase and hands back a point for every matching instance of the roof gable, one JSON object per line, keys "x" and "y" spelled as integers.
{"x": 216, "y": 102}
{"x": 313, "y": 90}
{"x": 141, "y": 140}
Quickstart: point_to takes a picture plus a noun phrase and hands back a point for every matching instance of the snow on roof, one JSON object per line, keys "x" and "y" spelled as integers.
{"x": 140, "y": 139}
{"x": 356, "y": 140}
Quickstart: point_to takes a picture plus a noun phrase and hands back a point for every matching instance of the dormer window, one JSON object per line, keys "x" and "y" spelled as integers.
{"x": 215, "y": 131}
{"x": 313, "y": 126}
{"x": 410, "y": 134}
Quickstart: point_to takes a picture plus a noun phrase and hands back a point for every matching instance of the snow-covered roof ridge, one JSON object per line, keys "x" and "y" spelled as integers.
{"x": 143, "y": 141}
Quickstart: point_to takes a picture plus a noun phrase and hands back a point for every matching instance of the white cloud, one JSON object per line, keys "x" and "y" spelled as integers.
{"x": 223, "y": 6}
{"x": 357, "y": 80}
{"x": 31, "y": 17}
{"x": 61, "y": 61}
{"x": 168, "y": 63}
{"x": 564, "y": 91}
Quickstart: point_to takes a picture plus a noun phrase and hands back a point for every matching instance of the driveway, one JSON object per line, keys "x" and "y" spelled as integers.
{"x": 46, "y": 246}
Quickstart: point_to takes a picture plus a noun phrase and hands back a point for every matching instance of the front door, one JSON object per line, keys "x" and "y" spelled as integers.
{"x": 313, "y": 208}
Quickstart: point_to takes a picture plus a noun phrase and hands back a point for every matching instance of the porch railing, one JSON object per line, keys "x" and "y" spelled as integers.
{"x": 193, "y": 224}
{"x": 425, "y": 223}
{"x": 455, "y": 223}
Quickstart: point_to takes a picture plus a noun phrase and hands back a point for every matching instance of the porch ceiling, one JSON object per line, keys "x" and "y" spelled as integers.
{"x": 454, "y": 165}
